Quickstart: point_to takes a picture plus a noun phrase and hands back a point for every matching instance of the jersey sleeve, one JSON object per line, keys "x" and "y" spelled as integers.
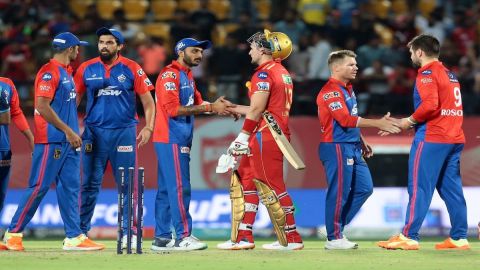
{"x": 167, "y": 87}
{"x": 47, "y": 82}
{"x": 142, "y": 83}
{"x": 427, "y": 87}
{"x": 334, "y": 101}
{"x": 261, "y": 82}
{"x": 16, "y": 112}
{"x": 78, "y": 79}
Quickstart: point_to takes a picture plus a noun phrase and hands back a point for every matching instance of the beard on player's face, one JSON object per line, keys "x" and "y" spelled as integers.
{"x": 106, "y": 55}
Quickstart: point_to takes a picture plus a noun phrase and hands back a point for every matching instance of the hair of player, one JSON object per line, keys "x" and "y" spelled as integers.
{"x": 57, "y": 50}
{"x": 427, "y": 43}
{"x": 338, "y": 56}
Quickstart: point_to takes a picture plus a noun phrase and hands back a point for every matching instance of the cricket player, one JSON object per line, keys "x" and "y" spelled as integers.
{"x": 434, "y": 161}
{"x": 56, "y": 156}
{"x": 178, "y": 100}
{"x": 111, "y": 83}
{"x": 270, "y": 89}
{"x": 9, "y": 111}
{"x": 342, "y": 148}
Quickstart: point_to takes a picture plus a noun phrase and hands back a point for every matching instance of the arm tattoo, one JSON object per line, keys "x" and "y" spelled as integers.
{"x": 191, "y": 110}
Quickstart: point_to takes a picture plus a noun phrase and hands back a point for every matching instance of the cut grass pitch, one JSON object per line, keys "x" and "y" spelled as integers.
{"x": 48, "y": 255}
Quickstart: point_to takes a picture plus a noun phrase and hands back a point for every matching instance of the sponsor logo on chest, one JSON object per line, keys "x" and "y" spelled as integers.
{"x": 121, "y": 78}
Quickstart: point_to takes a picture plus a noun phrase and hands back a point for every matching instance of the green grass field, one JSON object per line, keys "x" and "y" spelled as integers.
{"x": 41, "y": 255}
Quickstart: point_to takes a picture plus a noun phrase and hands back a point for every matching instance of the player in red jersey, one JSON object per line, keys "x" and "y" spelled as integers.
{"x": 270, "y": 89}
{"x": 435, "y": 154}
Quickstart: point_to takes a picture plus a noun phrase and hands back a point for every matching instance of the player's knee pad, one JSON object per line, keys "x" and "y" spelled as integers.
{"x": 275, "y": 210}
{"x": 238, "y": 204}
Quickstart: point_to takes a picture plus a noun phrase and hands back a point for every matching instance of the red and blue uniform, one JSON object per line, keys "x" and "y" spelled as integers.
{"x": 110, "y": 123}
{"x": 54, "y": 160}
{"x": 8, "y": 91}
{"x": 172, "y": 137}
{"x": 266, "y": 161}
{"x": 348, "y": 177}
{"x": 434, "y": 160}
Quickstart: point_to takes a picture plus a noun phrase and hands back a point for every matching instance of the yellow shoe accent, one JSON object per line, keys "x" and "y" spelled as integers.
{"x": 403, "y": 243}
{"x": 81, "y": 242}
{"x": 449, "y": 243}
{"x": 383, "y": 244}
{"x": 13, "y": 241}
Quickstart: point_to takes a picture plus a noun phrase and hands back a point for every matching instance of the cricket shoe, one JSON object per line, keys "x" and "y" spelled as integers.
{"x": 162, "y": 244}
{"x": 399, "y": 242}
{"x": 134, "y": 241}
{"x": 13, "y": 241}
{"x": 81, "y": 243}
{"x": 449, "y": 243}
{"x": 339, "y": 244}
{"x": 322, "y": 232}
{"x": 277, "y": 246}
{"x": 189, "y": 243}
{"x": 229, "y": 245}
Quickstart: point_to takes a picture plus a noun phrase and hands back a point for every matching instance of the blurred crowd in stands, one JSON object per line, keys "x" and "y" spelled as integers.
{"x": 377, "y": 30}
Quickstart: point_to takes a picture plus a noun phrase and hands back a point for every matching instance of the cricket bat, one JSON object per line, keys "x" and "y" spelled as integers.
{"x": 283, "y": 142}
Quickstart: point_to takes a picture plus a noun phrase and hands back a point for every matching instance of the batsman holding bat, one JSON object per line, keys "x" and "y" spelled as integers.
{"x": 261, "y": 170}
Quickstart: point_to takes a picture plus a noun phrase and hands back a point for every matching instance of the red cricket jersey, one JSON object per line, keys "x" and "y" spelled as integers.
{"x": 438, "y": 105}
{"x": 273, "y": 78}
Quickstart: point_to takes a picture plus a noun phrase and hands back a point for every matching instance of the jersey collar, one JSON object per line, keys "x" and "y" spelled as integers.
{"x": 347, "y": 86}
{"x": 68, "y": 68}
{"x": 177, "y": 65}
{"x": 429, "y": 65}
{"x": 118, "y": 60}
{"x": 267, "y": 63}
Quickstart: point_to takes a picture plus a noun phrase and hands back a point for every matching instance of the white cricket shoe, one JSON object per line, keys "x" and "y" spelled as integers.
{"x": 343, "y": 243}
{"x": 322, "y": 232}
{"x": 189, "y": 243}
{"x": 162, "y": 244}
{"x": 276, "y": 246}
{"x": 229, "y": 245}
{"x": 134, "y": 241}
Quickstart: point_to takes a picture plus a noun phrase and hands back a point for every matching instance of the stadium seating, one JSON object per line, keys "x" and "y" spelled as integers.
{"x": 157, "y": 29}
{"x": 135, "y": 10}
{"x": 220, "y": 32}
{"x": 188, "y": 5}
{"x": 79, "y": 7}
{"x": 426, "y": 6}
{"x": 221, "y": 8}
{"x": 106, "y": 8}
{"x": 163, "y": 10}
{"x": 263, "y": 8}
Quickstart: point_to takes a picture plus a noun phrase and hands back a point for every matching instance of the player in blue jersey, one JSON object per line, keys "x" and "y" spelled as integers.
{"x": 56, "y": 156}
{"x": 9, "y": 111}
{"x": 342, "y": 148}
{"x": 178, "y": 100}
{"x": 111, "y": 83}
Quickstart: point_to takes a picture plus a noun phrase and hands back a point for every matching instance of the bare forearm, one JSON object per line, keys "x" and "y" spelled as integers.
{"x": 28, "y": 135}
{"x": 192, "y": 110}
{"x": 367, "y": 123}
{"x": 5, "y": 118}
{"x": 51, "y": 117}
{"x": 254, "y": 114}
{"x": 240, "y": 109}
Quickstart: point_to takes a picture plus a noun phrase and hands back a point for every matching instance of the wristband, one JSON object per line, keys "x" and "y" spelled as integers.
{"x": 249, "y": 125}
{"x": 411, "y": 121}
{"x": 208, "y": 107}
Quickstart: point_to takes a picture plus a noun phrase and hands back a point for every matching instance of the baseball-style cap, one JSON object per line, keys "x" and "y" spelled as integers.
{"x": 66, "y": 40}
{"x": 191, "y": 42}
{"x": 110, "y": 31}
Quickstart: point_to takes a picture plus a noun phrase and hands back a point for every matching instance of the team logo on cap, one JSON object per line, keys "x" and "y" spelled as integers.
{"x": 180, "y": 46}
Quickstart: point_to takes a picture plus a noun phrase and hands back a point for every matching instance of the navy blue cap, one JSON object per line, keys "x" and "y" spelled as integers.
{"x": 66, "y": 40}
{"x": 114, "y": 32}
{"x": 191, "y": 42}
